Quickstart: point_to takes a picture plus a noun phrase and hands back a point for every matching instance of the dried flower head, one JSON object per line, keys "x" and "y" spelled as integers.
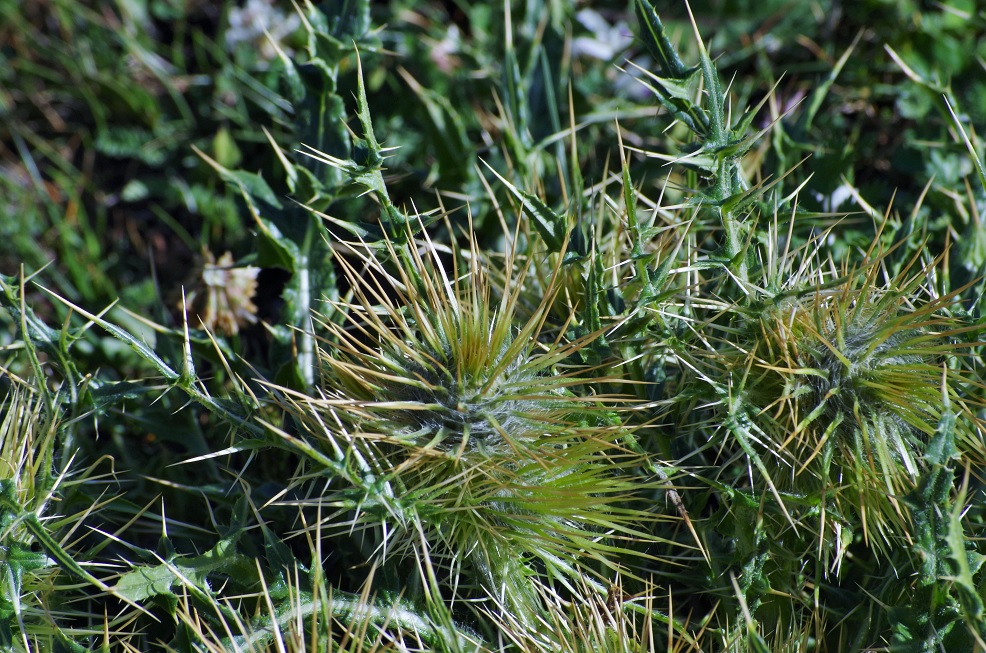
{"x": 223, "y": 298}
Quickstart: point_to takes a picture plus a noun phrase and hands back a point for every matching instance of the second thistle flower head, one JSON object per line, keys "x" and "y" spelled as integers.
{"x": 849, "y": 382}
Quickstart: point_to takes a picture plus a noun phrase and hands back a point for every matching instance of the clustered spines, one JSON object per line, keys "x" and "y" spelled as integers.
{"x": 438, "y": 351}
{"x": 845, "y": 385}
{"x": 459, "y": 401}
{"x": 854, "y": 359}
{"x": 465, "y": 411}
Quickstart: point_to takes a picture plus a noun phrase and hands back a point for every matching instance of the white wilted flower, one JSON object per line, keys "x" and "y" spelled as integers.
{"x": 605, "y": 42}
{"x": 226, "y": 304}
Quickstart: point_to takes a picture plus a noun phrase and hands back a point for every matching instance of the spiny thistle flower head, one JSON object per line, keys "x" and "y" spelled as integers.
{"x": 461, "y": 432}
{"x": 437, "y": 360}
{"x": 849, "y": 381}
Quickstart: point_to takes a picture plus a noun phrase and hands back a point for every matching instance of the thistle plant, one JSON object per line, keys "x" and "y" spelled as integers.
{"x": 814, "y": 405}
{"x": 467, "y": 450}
{"x": 579, "y": 406}
{"x": 45, "y": 574}
{"x": 807, "y": 393}
{"x": 848, "y": 381}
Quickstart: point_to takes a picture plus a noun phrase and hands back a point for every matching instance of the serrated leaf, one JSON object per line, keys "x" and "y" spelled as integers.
{"x": 676, "y": 95}
{"x": 24, "y": 559}
{"x": 941, "y": 449}
{"x": 369, "y": 139}
{"x": 551, "y": 227}
{"x": 960, "y": 552}
{"x": 251, "y": 185}
{"x": 138, "y": 346}
{"x": 290, "y": 75}
{"x": 657, "y": 42}
{"x": 144, "y": 582}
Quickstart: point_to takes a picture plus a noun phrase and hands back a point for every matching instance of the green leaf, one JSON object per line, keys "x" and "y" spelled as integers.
{"x": 131, "y": 143}
{"x": 964, "y": 557}
{"x": 9, "y": 506}
{"x": 250, "y": 184}
{"x": 346, "y": 20}
{"x": 657, "y": 42}
{"x": 368, "y": 173}
{"x": 274, "y": 250}
{"x": 676, "y": 95}
{"x": 225, "y": 150}
{"x": 349, "y": 19}
{"x": 365, "y": 174}
{"x": 941, "y": 450}
{"x": 552, "y": 227}
{"x": 446, "y": 135}
{"x": 143, "y": 582}
{"x": 106, "y": 394}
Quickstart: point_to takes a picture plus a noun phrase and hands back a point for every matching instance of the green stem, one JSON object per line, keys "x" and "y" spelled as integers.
{"x": 352, "y": 610}
{"x": 306, "y": 347}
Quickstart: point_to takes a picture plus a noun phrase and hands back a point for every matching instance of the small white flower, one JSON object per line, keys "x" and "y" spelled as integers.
{"x": 606, "y": 41}
{"x": 228, "y": 302}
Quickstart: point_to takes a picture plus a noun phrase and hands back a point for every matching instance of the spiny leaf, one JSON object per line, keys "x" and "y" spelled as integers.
{"x": 138, "y": 346}
{"x": 676, "y": 95}
{"x": 966, "y": 562}
{"x": 657, "y": 42}
{"x": 30, "y": 521}
{"x": 552, "y": 227}
{"x": 143, "y": 582}
{"x": 250, "y": 184}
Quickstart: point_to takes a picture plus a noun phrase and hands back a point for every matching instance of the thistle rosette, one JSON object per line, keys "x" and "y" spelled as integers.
{"x": 464, "y": 438}
{"x": 446, "y": 368}
{"x": 849, "y": 381}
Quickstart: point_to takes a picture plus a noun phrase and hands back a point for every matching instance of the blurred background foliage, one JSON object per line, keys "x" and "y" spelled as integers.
{"x": 102, "y": 103}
